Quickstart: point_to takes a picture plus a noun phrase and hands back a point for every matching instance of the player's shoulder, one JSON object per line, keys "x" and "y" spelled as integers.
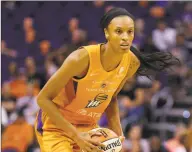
{"x": 78, "y": 55}
{"x": 134, "y": 59}
{"x": 133, "y": 55}
{"x": 81, "y": 54}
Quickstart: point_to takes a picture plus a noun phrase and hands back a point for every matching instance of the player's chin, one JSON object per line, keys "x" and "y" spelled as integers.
{"x": 124, "y": 50}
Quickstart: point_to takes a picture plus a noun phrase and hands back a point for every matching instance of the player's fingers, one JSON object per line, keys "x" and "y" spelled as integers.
{"x": 88, "y": 149}
{"x": 122, "y": 138}
{"x": 95, "y": 133}
{"x": 97, "y": 149}
{"x": 94, "y": 148}
{"x": 91, "y": 145}
{"x": 97, "y": 143}
{"x": 83, "y": 150}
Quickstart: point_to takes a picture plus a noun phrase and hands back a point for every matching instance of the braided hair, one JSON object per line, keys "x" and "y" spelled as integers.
{"x": 149, "y": 63}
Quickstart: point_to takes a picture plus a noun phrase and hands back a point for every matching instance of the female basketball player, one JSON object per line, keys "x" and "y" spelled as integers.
{"x": 87, "y": 83}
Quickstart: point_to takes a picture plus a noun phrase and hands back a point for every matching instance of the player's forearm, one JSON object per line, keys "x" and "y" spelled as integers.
{"x": 55, "y": 115}
{"x": 113, "y": 118}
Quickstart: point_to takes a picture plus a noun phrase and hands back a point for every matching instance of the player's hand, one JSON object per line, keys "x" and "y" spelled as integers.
{"x": 122, "y": 138}
{"x": 86, "y": 144}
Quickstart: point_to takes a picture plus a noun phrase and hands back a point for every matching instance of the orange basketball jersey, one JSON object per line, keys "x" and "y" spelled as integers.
{"x": 83, "y": 101}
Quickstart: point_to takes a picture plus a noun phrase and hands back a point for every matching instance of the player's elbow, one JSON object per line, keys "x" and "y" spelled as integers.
{"x": 41, "y": 99}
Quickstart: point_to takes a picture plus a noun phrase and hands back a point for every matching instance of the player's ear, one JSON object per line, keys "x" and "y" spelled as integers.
{"x": 106, "y": 34}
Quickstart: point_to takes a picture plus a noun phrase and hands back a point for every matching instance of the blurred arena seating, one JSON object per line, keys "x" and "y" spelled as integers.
{"x": 37, "y": 36}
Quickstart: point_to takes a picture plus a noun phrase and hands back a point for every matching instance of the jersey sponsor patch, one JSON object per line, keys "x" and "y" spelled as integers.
{"x": 100, "y": 98}
{"x": 90, "y": 114}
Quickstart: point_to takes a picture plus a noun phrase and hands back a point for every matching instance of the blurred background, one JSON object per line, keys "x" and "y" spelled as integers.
{"x": 38, "y": 36}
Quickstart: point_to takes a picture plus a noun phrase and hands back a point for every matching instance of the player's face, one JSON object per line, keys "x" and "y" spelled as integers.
{"x": 121, "y": 33}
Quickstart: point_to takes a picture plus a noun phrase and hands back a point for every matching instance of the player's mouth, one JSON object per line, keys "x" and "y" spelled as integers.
{"x": 124, "y": 46}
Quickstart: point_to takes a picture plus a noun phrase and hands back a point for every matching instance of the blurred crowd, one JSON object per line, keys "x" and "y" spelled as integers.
{"x": 143, "y": 102}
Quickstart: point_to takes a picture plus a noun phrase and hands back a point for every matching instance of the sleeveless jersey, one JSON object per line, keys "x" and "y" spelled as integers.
{"x": 93, "y": 93}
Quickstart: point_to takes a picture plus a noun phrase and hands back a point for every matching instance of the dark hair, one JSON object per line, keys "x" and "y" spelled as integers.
{"x": 112, "y": 13}
{"x": 149, "y": 63}
{"x": 154, "y": 62}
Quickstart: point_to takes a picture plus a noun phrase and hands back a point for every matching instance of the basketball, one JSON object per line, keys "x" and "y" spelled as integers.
{"x": 109, "y": 138}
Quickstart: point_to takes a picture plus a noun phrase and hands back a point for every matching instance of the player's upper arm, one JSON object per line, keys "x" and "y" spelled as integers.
{"x": 74, "y": 65}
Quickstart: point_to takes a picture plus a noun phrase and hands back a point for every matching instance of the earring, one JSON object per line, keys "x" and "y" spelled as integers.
{"x": 107, "y": 36}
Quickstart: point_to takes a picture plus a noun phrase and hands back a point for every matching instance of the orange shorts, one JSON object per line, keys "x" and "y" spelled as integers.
{"x": 55, "y": 141}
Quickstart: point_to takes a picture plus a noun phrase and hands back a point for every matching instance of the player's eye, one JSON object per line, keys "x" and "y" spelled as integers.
{"x": 130, "y": 31}
{"x": 118, "y": 31}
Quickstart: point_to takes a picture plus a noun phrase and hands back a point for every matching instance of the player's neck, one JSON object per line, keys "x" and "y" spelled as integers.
{"x": 107, "y": 54}
{"x": 111, "y": 54}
